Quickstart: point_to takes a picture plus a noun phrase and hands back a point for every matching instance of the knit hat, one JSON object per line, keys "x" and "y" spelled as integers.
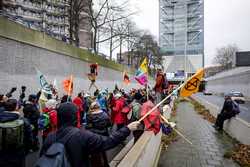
{"x": 51, "y": 104}
{"x": 94, "y": 105}
{"x": 118, "y": 95}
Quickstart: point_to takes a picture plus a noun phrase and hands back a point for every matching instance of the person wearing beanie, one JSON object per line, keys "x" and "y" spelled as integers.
{"x": 120, "y": 118}
{"x": 98, "y": 122}
{"x": 50, "y": 110}
{"x": 82, "y": 142}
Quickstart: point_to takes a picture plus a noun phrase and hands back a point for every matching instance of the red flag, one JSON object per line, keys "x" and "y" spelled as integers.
{"x": 68, "y": 85}
{"x": 152, "y": 121}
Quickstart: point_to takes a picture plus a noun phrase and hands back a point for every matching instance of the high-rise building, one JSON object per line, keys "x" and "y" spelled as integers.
{"x": 49, "y": 16}
{"x": 181, "y": 35}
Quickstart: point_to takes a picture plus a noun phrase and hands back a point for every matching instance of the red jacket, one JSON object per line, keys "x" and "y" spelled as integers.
{"x": 152, "y": 121}
{"x": 79, "y": 104}
{"x": 118, "y": 116}
{"x": 53, "y": 121}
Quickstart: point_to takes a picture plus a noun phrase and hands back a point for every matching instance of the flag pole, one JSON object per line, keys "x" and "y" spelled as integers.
{"x": 148, "y": 113}
{"x": 178, "y": 132}
{"x": 71, "y": 82}
{"x": 186, "y": 81}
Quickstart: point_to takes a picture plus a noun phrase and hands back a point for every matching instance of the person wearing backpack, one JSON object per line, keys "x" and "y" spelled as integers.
{"x": 32, "y": 113}
{"x": 48, "y": 119}
{"x": 136, "y": 115}
{"x": 228, "y": 111}
{"x": 16, "y": 136}
{"x": 73, "y": 146}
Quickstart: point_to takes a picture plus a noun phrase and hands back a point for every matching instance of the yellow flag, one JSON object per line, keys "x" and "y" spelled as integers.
{"x": 192, "y": 85}
{"x": 144, "y": 65}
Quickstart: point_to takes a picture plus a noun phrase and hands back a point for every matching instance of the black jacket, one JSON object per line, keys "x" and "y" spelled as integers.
{"x": 98, "y": 123}
{"x": 31, "y": 112}
{"x": 84, "y": 143}
{"x": 227, "y": 107}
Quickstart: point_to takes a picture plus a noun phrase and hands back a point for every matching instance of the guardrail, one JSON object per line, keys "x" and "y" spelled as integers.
{"x": 145, "y": 152}
{"x": 235, "y": 127}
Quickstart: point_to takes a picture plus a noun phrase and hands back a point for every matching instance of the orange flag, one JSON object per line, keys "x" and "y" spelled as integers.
{"x": 126, "y": 79}
{"x": 68, "y": 85}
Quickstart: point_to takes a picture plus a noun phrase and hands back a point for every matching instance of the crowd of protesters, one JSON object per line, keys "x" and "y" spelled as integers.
{"x": 93, "y": 123}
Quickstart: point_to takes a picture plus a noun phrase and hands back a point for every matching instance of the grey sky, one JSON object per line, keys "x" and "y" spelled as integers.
{"x": 226, "y": 22}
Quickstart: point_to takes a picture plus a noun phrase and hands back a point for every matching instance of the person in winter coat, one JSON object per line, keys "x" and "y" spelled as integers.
{"x": 102, "y": 100}
{"x": 3, "y": 99}
{"x": 226, "y": 113}
{"x": 98, "y": 122}
{"x": 78, "y": 101}
{"x": 120, "y": 118}
{"x": 159, "y": 83}
{"x": 136, "y": 115}
{"x": 83, "y": 142}
{"x": 151, "y": 122}
{"x": 16, "y": 156}
{"x": 50, "y": 109}
{"x": 31, "y": 112}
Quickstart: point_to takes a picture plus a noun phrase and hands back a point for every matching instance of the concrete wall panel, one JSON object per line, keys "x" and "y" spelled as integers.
{"x": 19, "y": 61}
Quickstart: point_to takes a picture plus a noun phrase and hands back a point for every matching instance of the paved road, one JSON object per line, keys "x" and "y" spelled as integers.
{"x": 208, "y": 147}
{"x": 218, "y": 101}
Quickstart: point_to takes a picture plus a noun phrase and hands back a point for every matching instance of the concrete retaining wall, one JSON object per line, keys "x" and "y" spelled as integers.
{"x": 235, "y": 127}
{"x": 22, "y": 51}
{"x": 145, "y": 152}
{"x": 238, "y": 82}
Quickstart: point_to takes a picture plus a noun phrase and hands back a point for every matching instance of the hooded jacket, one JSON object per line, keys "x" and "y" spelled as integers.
{"x": 98, "y": 122}
{"x": 83, "y": 142}
{"x": 118, "y": 116}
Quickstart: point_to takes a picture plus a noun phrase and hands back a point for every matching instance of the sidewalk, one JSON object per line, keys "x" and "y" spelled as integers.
{"x": 208, "y": 146}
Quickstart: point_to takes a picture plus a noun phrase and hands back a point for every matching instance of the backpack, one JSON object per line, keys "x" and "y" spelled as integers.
{"x": 11, "y": 132}
{"x": 136, "y": 111}
{"x": 236, "y": 108}
{"x": 56, "y": 155}
{"x": 44, "y": 121}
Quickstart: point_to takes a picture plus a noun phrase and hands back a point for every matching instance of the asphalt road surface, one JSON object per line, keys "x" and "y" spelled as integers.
{"x": 218, "y": 101}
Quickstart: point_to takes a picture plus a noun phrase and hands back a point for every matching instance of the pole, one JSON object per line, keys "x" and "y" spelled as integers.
{"x": 179, "y": 133}
{"x": 185, "y": 47}
{"x": 142, "y": 118}
{"x": 69, "y": 91}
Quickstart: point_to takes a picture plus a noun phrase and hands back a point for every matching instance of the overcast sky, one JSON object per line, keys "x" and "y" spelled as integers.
{"x": 226, "y": 22}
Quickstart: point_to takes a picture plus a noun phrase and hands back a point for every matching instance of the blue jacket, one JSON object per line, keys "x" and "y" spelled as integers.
{"x": 103, "y": 103}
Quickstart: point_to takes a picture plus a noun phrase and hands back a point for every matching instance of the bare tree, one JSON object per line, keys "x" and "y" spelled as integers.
{"x": 224, "y": 55}
{"x": 148, "y": 47}
{"x": 103, "y": 18}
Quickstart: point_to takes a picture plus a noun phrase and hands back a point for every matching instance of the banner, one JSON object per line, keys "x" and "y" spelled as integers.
{"x": 126, "y": 79}
{"x": 45, "y": 86}
{"x": 68, "y": 85}
{"x": 192, "y": 85}
{"x": 141, "y": 75}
